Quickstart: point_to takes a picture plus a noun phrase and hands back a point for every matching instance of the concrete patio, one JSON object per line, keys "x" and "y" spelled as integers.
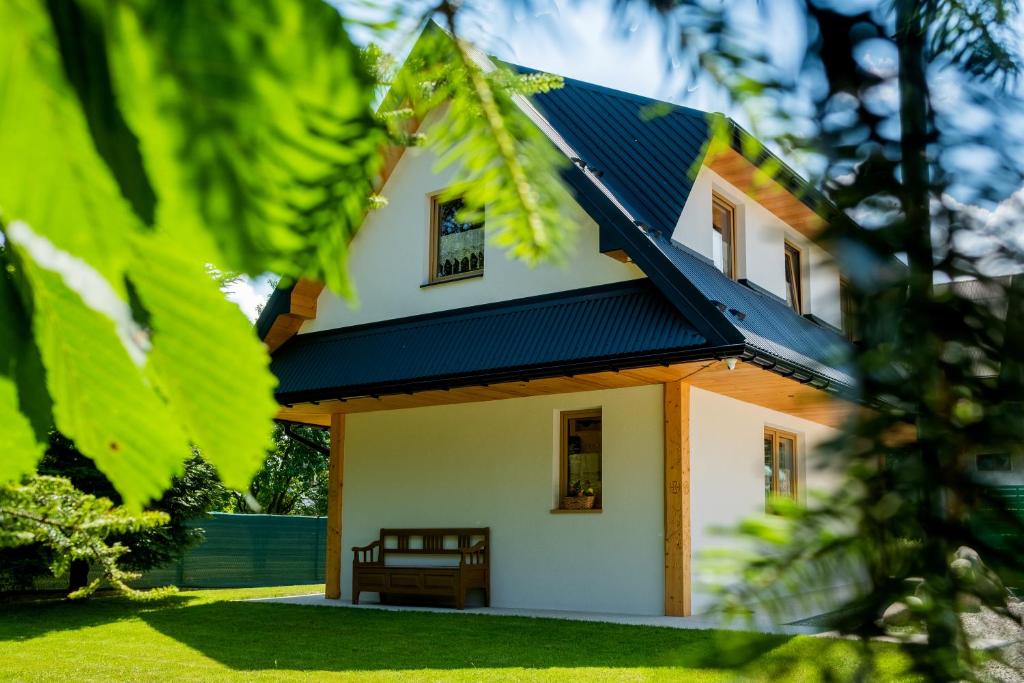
{"x": 702, "y": 622}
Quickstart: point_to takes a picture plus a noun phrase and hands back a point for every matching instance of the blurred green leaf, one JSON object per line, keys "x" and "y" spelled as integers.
{"x": 205, "y": 360}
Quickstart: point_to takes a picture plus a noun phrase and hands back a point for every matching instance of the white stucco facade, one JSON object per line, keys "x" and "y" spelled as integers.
{"x": 390, "y": 259}
{"x": 760, "y": 239}
{"x": 496, "y": 464}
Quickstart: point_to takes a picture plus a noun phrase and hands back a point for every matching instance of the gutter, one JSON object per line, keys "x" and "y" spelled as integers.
{"x": 743, "y": 352}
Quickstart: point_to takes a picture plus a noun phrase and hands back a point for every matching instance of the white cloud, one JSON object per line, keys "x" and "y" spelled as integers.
{"x": 250, "y": 294}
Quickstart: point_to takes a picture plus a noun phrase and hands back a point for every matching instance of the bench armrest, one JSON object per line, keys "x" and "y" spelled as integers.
{"x": 474, "y": 554}
{"x": 367, "y": 554}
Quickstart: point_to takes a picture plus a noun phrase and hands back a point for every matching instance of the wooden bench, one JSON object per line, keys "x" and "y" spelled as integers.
{"x": 371, "y": 573}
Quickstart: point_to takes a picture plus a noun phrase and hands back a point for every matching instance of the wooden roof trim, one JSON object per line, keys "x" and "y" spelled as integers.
{"x": 765, "y": 190}
{"x": 301, "y": 307}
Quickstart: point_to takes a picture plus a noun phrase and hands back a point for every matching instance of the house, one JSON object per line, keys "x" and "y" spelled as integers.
{"x": 684, "y": 364}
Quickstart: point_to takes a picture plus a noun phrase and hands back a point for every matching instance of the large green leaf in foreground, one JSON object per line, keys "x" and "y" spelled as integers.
{"x": 18, "y": 444}
{"x": 205, "y": 358}
{"x": 144, "y": 141}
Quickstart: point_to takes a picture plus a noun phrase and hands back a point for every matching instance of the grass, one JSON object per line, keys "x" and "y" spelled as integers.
{"x": 208, "y": 635}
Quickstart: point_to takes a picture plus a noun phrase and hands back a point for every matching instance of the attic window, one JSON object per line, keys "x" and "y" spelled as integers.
{"x": 723, "y": 220}
{"x": 456, "y": 245}
{"x": 794, "y": 284}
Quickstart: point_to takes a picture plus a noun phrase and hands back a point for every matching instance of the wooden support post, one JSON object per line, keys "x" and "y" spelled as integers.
{"x": 335, "y": 481}
{"x": 677, "y": 499}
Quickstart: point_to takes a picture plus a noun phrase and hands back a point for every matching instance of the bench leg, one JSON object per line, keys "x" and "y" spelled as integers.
{"x": 355, "y": 597}
{"x": 487, "y": 597}
{"x": 460, "y": 599}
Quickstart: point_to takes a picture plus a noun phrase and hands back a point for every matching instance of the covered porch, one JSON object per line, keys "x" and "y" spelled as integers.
{"x": 751, "y": 381}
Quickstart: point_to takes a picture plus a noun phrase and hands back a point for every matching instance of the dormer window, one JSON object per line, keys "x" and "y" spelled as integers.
{"x": 456, "y": 246}
{"x": 723, "y": 237}
{"x": 794, "y": 283}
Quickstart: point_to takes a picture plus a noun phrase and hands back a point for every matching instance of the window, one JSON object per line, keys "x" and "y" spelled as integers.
{"x": 581, "y": 455}
{"x": 993, "y": 462}
{"x": 848, "y": 310}
{"x": 723, "y": 220}
{"x": 793, "y": 280}
{"x": 456, "y": 247}
{"x": 780, "y": 471}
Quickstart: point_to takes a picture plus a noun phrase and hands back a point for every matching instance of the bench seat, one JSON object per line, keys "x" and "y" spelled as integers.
{"x": 372, "y": 574}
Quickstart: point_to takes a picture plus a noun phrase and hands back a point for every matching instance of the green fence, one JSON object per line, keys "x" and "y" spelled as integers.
{"x": 996, "y": 530}
{"x": 249, "y": 550}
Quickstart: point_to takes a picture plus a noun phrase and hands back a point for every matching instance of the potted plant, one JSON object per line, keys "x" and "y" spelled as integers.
{"x": 581, "y": 496}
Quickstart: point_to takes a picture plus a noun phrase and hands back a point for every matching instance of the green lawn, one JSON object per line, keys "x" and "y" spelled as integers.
{"x": 206, "y": 635}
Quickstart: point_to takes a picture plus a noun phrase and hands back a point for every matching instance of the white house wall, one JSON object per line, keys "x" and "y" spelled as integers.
{"x": 496, "y": 464}
{"x": 727, "y": 471}
{"x": 389, "y": 259}
{"x": 760, "y": 238}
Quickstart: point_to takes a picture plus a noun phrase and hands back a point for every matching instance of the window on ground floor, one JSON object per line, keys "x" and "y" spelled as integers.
{"x": 780, "y": 467}
{"x": 580, "y": 480}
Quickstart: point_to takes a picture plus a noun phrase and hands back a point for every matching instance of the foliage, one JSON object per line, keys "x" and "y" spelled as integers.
{"x": 907, "y": 111}
{"x": 217, "y": 635}
{"x": 293, "y": 479}
{"x": 159, "y": 141}
{"x": 73, "y": 526}
{"x": 581, "y": 488}
{"x": 196, "y": 492}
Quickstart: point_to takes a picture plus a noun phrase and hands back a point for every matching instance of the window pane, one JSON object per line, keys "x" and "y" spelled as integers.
{"x": 769, "y": 466}
{"x": 583, "y": 451}
{"x": 722, "y": 236}
{"x": 460, "y": 245}
{"x": 793, "y": 288}
{"x": 787, "y": 467}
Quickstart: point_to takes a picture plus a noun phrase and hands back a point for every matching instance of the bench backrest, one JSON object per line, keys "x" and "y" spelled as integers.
{"x": 432, "y": 541}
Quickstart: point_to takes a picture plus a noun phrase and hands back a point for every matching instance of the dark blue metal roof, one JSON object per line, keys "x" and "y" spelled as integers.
{"x": 767, "y": 322}
{"x": 645, "y": 151}
{"x": 608, "y": 327}
{"x": 647, "y": 163}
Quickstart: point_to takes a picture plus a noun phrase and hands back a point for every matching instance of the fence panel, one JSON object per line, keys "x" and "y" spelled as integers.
{"x": 249, "y": 550}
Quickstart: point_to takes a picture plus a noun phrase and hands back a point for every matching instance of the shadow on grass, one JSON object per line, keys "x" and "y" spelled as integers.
{"x": 252, "y": 636}
{"x": 30, "y": 616}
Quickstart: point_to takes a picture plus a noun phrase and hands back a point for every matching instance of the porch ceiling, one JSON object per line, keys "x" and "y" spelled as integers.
{"x": 747, "y": 382}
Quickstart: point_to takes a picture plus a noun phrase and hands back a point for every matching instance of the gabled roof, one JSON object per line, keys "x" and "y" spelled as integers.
{"x": 610, "y": 327}
{"x": 634, "y": 160}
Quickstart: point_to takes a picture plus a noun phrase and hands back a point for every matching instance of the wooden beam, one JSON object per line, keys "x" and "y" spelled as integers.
{"x": 301, "y": 307}
{"x": 677, "y": 500}
{"x": 335, "y": 483}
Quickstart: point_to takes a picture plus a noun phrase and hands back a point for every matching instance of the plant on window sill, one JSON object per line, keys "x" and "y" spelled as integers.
{"x": 581, "y": 497}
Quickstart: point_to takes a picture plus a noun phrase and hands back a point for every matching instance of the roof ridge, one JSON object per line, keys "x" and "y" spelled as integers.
{"x": 624, "y": 94}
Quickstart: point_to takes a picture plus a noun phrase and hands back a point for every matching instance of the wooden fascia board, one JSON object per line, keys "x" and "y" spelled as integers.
{"x": 302, "y": 306}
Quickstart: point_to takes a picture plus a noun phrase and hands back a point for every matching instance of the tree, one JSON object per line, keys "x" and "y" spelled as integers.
{"x": 293, "y": 479}
{"x": 155, "y": 140}
{"x": 196, "y": 492}
{"x": 73, "y": 526}
{"x": 907, "y": 110}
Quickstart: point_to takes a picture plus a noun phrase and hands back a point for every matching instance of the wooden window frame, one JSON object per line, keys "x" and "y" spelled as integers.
{"x": 776, "y": 434}
{"x": 798, "y": 274}
{"x": 729, "y": 266}
{"x": 563, "y": 456}
{"x": 434, "y": 204}
{"x": 847, "y": 310}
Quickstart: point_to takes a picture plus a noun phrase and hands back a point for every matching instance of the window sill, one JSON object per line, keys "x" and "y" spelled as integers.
{"x": 562, "y": 511}
{"x": 447, "y": 281}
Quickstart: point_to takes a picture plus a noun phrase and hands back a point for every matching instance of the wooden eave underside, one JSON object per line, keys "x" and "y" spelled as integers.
{"x": 765, "y": 190}
{"x": 746, "y": 382}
